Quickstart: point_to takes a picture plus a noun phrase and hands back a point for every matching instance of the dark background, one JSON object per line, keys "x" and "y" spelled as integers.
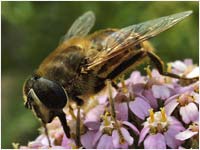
{"x": 31, "y": 30}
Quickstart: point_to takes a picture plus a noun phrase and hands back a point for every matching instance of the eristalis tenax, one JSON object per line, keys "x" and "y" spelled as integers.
{"x": 81, "y": 64}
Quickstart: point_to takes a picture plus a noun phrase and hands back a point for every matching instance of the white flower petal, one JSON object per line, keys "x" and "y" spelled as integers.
{"x": 194, "y": 73}
{"x": 185, "y": 135}
{"x": 179, "y": 65}
{"x": 169, "y": 107}
{"x": 115, "y": 139}
{"x": 156, "y": 141}
{"x": 127, "y": 136}
{"x": 160, "y": 91}
{"x": 189, "y": 113}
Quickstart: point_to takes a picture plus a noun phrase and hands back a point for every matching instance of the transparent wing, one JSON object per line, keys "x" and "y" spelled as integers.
{"x": 81, "y": 26}
{"x": 133, "y": 35}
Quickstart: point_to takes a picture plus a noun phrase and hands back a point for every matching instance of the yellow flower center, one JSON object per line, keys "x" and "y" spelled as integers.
{"x": 157, "y": 122}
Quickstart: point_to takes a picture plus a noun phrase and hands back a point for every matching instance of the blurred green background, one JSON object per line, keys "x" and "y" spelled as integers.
{"x": 31, "y": 30}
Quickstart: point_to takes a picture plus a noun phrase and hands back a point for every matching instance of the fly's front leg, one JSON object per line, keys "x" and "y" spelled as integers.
{"x": 62, "y": 118}
{"x": 160, "y": 66}
{"x": 46, "y": 133}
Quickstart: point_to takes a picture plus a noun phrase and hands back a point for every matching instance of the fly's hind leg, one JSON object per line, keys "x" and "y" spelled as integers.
{"x": 160, "y": 66}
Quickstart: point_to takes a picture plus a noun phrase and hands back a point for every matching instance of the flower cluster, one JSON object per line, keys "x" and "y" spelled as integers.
{"x": 151, "y": 111}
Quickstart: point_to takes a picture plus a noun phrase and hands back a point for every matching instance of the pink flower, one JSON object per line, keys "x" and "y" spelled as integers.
{"x": 135, "y": 124}
{"x": 190, "y": 132}
{"x": 159, "y": 131}
{"x": 186, "y": 101}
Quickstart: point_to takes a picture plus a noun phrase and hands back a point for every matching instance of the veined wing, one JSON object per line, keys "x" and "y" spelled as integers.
{"x": 133, "y": 35}
{"x": 81, "y": 26}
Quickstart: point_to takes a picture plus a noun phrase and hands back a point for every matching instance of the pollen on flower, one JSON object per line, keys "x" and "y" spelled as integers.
{"x": 163, "y": 115}
{"x": 157, "y": 122}
{"x": 194, "y": 127}
{"x": 185, "y": 99}
{"x": 151, "y": 114}
{"x": 107, "y": 123}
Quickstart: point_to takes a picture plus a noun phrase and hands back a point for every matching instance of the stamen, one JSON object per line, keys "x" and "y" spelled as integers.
{"x": 151, "y": 115}
{"x": 124, "y": 88}
{"x": 163, "y": 115}
{"x": 148, "y": 70}
{"x": 106, "y": 119}
{"x": 169, "y": 67}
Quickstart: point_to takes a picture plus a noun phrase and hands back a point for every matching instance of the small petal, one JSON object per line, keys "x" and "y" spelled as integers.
{"x": 148, "y": 94}
{"x": 131, "y": 126}
{"x": 160, "y": 91}
{"x": 139, "y": 107}
{"x": 67, "y": 143}
{"x": 177, "y": 125}
{"x": 194, "y": 73}
{"x": 121, "y": 111}
{"x": 143, "y": 134}
{"x": 189, "y": 113}
{"x": 185, "y": 135}
{"x": 127, "y": 136}
{"x": 94, "y": 114}
{"x": 115, "y": 138}
{"x": 87, "y": 138}
{"x": 96, "y": 138}
{"x": 188, "y": 62}
{"x": 35, "y": 144}
{"x": 116, "y": 141}
{"x": 105, "y": 142}
{"x": 92, "y": 125}
{"x": 170, "y": 106}
{"x": 136, "y": 77}
{"x": 156, "y": 141}
{"x": 136, "y": 89}
{"x": 179, "y": 66}
{"x": 170, "y": 138}
{"x": 172, "y": 98}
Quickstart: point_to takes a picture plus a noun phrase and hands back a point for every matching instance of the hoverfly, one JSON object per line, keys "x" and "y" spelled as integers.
{"x": 81, "y": 64}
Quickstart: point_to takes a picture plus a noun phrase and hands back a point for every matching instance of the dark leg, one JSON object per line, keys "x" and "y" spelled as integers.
{"x": 78, "y": 122}
{"x": 46, "y": 133}
{"x": 78, "y": 127}
{"x": 62, "y": 117}
{"x": 160, "y": 66}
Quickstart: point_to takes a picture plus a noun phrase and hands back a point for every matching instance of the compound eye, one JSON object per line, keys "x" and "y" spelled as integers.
{"x": 50, "y": 93}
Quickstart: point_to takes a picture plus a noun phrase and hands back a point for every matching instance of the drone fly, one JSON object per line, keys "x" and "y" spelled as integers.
{"x": 81, "y": 64}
